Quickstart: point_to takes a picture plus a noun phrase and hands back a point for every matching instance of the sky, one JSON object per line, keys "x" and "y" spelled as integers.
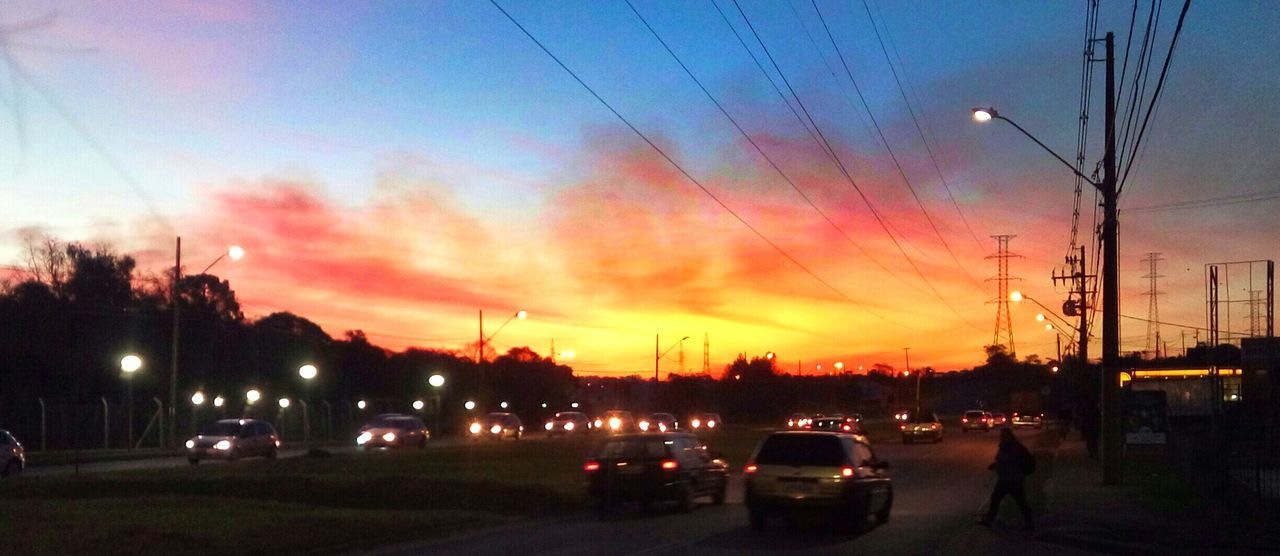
{"x": 399, "y": 167}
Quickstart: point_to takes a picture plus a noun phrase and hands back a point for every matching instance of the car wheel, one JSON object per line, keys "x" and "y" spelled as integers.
{"x": 12, "y": 469}
{"x": 882, "y": 516}
{"x": 719, "y": 496}
{"x": 686, "y": 501}
{"x": 273, "y": 454}
{"x": 939, "y": 439}
{"x": 422, "y": 442}
{"x": 756, "y": 519}
{"x": 234, "y": 455}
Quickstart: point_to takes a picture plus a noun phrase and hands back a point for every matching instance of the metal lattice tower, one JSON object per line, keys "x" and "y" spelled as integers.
{"x": 706, "y": 354}
{"x": 1257, "y": 305}
{"x": 1153, "y": 294}
{"x": 1004, "y": 325}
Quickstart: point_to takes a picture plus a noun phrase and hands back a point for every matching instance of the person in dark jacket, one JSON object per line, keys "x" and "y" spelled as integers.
{"x": 1013, "y": 463}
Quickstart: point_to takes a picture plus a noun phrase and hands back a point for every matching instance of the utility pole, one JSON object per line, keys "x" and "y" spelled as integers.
{"x": 1111, "y": 421}
{"x": 480, "y": 360}
{"x": 656, "y": 357}
{"x": 1077, "y": 304}
{"x": 173, "y": 369}
{"x": 706, "y": 354}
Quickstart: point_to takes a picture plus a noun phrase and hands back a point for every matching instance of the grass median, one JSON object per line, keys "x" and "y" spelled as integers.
{"x": 308, "y": 504}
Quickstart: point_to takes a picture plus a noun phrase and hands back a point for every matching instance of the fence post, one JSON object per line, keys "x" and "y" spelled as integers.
{"x": 43, "y": 445}
{"x": 160, "y": 422}
{"x": 106, "y": 424}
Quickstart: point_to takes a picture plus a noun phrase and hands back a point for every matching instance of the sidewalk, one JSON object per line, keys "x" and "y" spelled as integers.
{"x": 1153, "y": 512}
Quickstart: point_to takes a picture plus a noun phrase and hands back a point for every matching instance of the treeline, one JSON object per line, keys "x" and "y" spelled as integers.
{"x": 76, "y": 310}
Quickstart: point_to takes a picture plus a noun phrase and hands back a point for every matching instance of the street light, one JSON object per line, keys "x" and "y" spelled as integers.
{"x": 307, "y": 372}
{"x": 361, "y": 404}
{"x": 130, "y": 364}
{"x": 503, "y": 405}
{"x": 284, "y": 403}
{"x": 197, "y": 399}
{"x": 235, "y": 252}
{"x": 470, "y": 405}
{"x": 418, "y": 405}
{"x": 658, "y": 356}
{"x": 839, "y": 366}
{"x": 521, "y": 314}
{"x": 218, "y": 401}
{"x": 1112, "y": 443}
{"x": 252, "y": 396}
{"x": 436, "y": 381}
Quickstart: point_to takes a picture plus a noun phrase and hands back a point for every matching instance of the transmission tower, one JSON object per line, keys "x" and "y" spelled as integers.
{"x": 1004, "y": 325}
{"x": 1257, "y": 310}
{"x": 706, "y": 354}
{"x": 1153, "y": 294}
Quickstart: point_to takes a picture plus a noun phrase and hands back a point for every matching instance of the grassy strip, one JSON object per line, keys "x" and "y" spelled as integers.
{"x": 192, "y": 525}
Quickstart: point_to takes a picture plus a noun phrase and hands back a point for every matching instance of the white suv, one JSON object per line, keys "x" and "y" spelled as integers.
{"x": 13, "y": 458}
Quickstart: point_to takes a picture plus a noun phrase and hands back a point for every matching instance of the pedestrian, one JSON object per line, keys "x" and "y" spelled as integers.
{"x": 1090, "y": 427}
{"x": 1013, "y": 463}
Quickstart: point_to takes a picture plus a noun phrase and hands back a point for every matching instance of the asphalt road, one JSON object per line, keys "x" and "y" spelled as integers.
{"x": 939, "y": 488}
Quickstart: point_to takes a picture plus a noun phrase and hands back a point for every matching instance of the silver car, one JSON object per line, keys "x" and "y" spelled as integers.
{"x": 393, "y": 431}
{"x": 232, "y": 439}
{"x": 13, "y": 458}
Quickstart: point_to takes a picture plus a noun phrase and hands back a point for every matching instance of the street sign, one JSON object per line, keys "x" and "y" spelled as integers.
{"x": 1146, "y": 419}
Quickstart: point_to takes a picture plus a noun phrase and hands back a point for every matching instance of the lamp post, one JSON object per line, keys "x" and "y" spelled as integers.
{"x": 1111, "y": 423}
{"x": 1017, "y": 297}
{"x": 129, "y": 364}
{"x": 436, "y": 381}
{"x": 235, "y": 252}
{"x": 308, "y": 373}
{"x": 658, "y": 356}
{"x": 197, "y": 400}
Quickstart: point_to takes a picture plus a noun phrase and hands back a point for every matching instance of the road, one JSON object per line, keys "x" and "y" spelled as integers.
{"x": 938, "y": 489}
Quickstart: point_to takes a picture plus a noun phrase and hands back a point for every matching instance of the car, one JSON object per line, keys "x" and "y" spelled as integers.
{"x": 654, "y": 467}
{"x": 706, "y": 422}
{"x": 999, "y": 420}
{"x": 568, "y": 422}
{"x": 920, "y": 425}
{"x": 823, "y": 471}
{"x": 615, "y": 421}
{"x": 13, "y": 457}
{"x": 798, "y": 420}
{"x": 497, "y": 426}
{"x": 1034, "y": 420}
{"x": 658, "y": 422}
{"x": 393, "y": 431}
{"x": 977, "y": 420}
{"x": 837, "y": 424}
{"x": 232, "y": 439}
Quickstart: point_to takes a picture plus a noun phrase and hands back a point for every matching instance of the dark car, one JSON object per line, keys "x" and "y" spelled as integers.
{"x": 568, "y": 422}
{"x": 848, "y": 425}
{"x": 497, "y": 426}
{"x": 1033, "y": 420}
{"x": 13, "y": 459}
{"x": 658, "y": 422}
{"x": 920, "y": 425}
{"x": 654, "y": 467}
{"x": 615, "y": 421}
{"x": 393, "y": 431}
{"x": 706, "y": 422}
{"x": 976, "y": 420}
{"x": 232, "y": 439}
{"x": 817, "y": 471}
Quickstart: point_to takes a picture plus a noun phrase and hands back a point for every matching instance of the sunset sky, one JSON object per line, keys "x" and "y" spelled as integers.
{"x": 397, "y": 166}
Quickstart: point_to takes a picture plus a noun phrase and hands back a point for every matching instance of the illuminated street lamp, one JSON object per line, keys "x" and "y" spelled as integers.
{"x": 503, "y": 405}
{"x": 235, "y": 252}
{"x": 436, "y": 381}
{"x": 839, "y": 366}
{"x": 197, "y": 398}
{"x": 218, "y": 401}
{"x": 418, "y": 405}
{"x": 284, "y": 403}
{"x": 308, "y": 372}
{"x": 361, "y": 404}
{"x": 470, "y": 405}
{"x": 130, "y": 364}
{"x": 658, "y": 356}
{"x": 252, "y": 396}
{"x": 574, "y": 405}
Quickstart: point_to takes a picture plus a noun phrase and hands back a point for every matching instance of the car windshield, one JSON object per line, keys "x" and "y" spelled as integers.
{"x": 222, "y": 428}
{"x": 973, "y": 414}
{"x": 802, "y": 449}
{"x": 632, "y": 448}
{"x": 922, "y": 418}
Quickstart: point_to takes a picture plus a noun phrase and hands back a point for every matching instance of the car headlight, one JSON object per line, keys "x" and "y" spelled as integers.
{"x": 389, "y": 437}
{"x": 662, "y": 427}
{"x": 711, "y": 424}
{"x": 191, "y": 444}
{"x": 223, "y": 445}
{"x": 550, "y": 425}
{"x": 364, "y": 438}
{"x": 615, "y": 423}
{"x": 495, "y": 429}
{"x": 568, "y": 426}
{"x": 476, "y": 428}
{"x": 696, "y": 423}
{"x": 644, "y": 425}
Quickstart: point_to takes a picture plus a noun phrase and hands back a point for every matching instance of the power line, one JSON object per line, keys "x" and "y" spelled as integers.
{"x": 751, "y": 140}
{"x": 1155, "y": 97}
{"x": 887, "y": 147}
{"x": 919, "y": 130}
{"x": 686, "y": 174}
{"x": 1210, "y": 202}
{"x": 845, "y": 171}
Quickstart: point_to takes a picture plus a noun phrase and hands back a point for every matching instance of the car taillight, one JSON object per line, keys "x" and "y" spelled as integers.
{"x": 964, "y": 419}
{"x": 846, "y": 471}
{"x": 670, "y": 464}
{"x": 591, "y": 466}
{"x": 750, "y": 468}
{"x": 847, "y": 427}
{"x": 902, "y": 427}
{"x": 550, "y": 425}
